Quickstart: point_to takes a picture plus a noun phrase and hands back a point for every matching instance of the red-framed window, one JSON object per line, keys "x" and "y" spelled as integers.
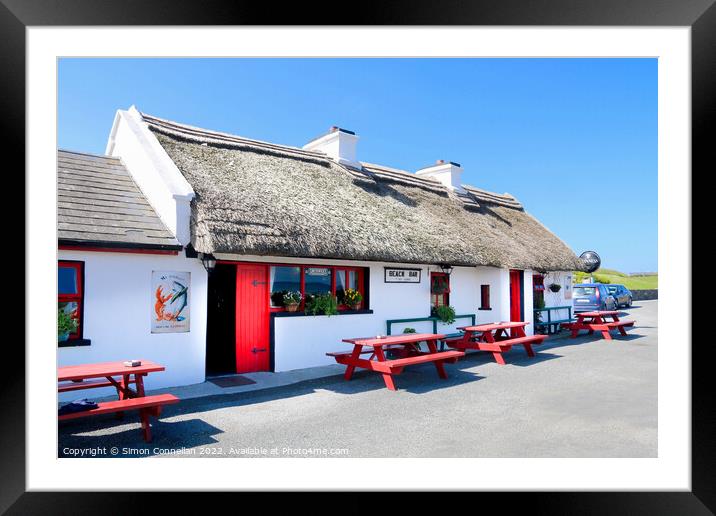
{"x": 439, "y": 289}
{"x": 485, "y": 297}
{"x": 538, "y": 290}
{"x": 70, "y": 292}
{"x": 312, "y": 280}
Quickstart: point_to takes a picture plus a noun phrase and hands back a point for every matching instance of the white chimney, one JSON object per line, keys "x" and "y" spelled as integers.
{"x": 447, "y": 172}
{"x": 339, "y": 144}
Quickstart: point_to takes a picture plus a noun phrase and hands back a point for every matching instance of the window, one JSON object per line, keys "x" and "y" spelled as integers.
{"x": 347, "y": 278}
{"x": 439, "y": 289}
{"x": 284, "y": 279}
{"x": 70, "y": 292}
{"x": 485, "y": 297}
{"x": 318, "y": 280}
{"x": 313, "y": 280}
{"x": 584, "y": 291}
{"x": 538, "y": 290}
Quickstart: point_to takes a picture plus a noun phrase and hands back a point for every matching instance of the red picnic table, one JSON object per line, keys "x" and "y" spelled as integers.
{"x": 597, "y": 321}
{"x": 493, "y": 337}
{"x": 406, "y": 344}
{"x": 119, "y": 376}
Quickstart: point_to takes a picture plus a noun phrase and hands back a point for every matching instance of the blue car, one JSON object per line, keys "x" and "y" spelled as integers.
{"x": 592, "y": 296}
{"x": 621, "y": 294}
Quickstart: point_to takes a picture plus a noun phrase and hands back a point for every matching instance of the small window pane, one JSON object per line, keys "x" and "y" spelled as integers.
{"x": 67, "y": 280}
{"x": 353, "y": 280}
{"x": 284, "y": 279}
{"x": 72, "y": 309}
{"x": 318, "y": 280}
{"x": 340, "y": 285}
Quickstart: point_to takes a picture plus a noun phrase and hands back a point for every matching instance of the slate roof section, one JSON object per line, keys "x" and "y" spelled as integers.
{"x": 99, "y": 204}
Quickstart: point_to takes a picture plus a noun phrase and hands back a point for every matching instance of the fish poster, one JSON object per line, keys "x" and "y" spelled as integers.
{"x": 170, "y": 302}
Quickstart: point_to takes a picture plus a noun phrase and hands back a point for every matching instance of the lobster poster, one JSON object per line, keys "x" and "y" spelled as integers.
{"x": 170, "y": 302}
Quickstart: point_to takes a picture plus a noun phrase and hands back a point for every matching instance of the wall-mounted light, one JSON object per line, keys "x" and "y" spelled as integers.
{"x": 446, "y": 268}
{"x": 209, "y": 262}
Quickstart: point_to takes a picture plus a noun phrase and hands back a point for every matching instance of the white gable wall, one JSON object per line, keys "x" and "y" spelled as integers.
{"x": 152, "y": 169}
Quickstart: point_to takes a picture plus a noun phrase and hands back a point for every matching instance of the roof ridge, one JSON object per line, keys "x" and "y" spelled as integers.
{"x": 200, "y": 133}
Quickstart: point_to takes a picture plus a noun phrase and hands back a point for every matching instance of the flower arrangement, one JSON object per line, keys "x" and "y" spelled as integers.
{"x": 291, "y": 300}
{"x": 66, "y": 324}
{"x": 352, "y": 298}
{"x": 322, "y": 304}
{"x": 555, "y": 287}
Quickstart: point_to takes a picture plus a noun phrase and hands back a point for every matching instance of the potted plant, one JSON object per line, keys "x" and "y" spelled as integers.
{"x": 291, "y": 300}
{"x": 445, "y": 313}
{"x": 321, "y": 304}
{"x": 555, "y": 287}
{"x": 352, "y": 298}
{"x": 66, "y": 324}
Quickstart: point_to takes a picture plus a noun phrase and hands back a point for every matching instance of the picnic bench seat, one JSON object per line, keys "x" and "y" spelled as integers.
{"x": 552, "y": 325}
{"x": 75, "y": 385}
{"x": 147, "y": 405}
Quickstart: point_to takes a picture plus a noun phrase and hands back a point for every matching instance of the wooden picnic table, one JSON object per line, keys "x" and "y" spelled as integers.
{"x": 494, "y": 338}
{"x": 409, "y": 350}
{"x": 119, "y": 376}
{"x": 598, "y": 321}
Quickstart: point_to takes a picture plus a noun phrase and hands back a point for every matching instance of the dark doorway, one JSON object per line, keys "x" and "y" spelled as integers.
{"x": 221, "y": 321}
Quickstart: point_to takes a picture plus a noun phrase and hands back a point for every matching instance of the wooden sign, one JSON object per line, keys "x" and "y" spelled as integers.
{"x": 400, "y": 275}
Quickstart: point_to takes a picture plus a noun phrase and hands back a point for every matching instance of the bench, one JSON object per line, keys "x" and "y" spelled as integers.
{"x": 147, "y": 405}
{"x": 499, "y": 346}
{"x": 552, "y": 326}
{"x": 396, "y": 365}
{"x": 87, "y": 384}
{"x": 434, "y": 320}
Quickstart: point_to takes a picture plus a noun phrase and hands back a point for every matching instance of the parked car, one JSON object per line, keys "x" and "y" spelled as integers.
{"x": 592, "y": 296}
{"x": 621, "y": 294}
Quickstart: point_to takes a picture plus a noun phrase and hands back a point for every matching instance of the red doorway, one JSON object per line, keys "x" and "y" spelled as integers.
{"x": 252, "y": 318}
{"x": 516, "y": 295}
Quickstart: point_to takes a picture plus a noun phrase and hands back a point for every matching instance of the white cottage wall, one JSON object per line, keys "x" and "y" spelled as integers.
{"x": 118, "y": 306}
{"x": 301, "y": 342}
{"x": 557, "y": 298}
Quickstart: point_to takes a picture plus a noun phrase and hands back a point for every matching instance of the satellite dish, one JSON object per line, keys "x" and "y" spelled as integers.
{"x": 591, "y": 260}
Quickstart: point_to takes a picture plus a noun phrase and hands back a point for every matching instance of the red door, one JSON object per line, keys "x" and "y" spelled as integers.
{"x": 252, "y": 318}
{"x": 515, "y": 295}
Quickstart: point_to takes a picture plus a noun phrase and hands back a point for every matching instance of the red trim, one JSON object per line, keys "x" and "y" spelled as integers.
{"x": 485, "y": 296}
{"x": 115, "y": 250}
{"x": 445, "y": 296}
{"x": 74, "y": 298}
{"x": 302, "y": 267}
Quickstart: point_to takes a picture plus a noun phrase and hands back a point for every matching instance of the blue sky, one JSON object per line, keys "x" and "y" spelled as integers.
{"x": 574, "y": 139}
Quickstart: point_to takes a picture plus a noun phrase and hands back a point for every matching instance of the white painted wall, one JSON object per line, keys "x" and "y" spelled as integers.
{"x": 152, "y": 169}
{"x": 117, "y": 311}
{"x": 303, "y": 341}
{"x": 557, "y": 298}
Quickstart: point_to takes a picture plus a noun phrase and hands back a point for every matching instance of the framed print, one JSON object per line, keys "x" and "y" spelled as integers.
{"x": 190, "y": 156}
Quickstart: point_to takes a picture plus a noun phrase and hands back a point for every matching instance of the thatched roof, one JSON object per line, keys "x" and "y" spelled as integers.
{"x": 265, "y": 199}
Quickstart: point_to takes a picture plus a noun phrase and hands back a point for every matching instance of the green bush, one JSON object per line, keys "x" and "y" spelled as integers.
{"x": 409, "y": 330}
{"x": 445, "y": 313}
{"x": 322, "y": 304}
{"x": 65, "y": 323}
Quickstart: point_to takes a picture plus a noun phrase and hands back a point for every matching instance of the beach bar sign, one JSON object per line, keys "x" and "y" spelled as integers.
{"x": 400, "y": 275}
{"x": 170, "y": 301}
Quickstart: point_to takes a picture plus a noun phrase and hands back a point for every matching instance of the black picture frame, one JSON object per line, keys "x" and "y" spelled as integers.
{"x": 700, "y": 15}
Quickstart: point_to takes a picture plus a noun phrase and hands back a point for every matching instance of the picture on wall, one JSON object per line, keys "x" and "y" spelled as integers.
{"x": 170, "y": 302}
{"x": 568, "y": 286}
